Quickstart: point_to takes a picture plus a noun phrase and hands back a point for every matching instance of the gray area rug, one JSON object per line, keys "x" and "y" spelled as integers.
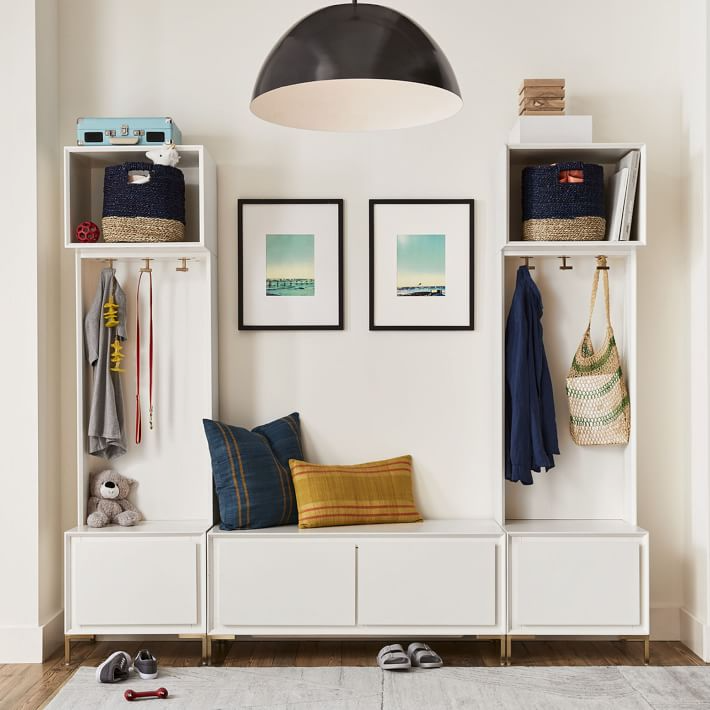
{"x": 336, "y": 688}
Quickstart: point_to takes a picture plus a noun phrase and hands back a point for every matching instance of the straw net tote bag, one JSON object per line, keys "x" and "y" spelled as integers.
{"x": 598, "y": 399}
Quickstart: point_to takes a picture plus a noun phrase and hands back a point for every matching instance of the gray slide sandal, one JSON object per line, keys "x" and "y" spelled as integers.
{"x": 421, "y": 656}
{"x": 393, "y": 658}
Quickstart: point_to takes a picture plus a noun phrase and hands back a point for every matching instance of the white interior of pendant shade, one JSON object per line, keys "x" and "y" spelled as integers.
{"x": 356, "y": 105}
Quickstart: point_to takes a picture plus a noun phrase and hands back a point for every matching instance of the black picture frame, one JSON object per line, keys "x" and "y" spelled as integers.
{"x": 471, "y": 265}
{"x": 245, "y": 202}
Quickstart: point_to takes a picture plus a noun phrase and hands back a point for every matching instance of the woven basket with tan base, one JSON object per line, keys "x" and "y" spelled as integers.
{"x": 577, "y": 229}
{"x": 142, "y": 229}
{"x": 149, "y": 210}
{"x": 563, "y": 202}
{"x": 598, "y": 399}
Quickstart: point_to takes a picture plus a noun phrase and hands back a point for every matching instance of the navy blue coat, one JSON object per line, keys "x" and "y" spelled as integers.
{"x": 530, "y": 426}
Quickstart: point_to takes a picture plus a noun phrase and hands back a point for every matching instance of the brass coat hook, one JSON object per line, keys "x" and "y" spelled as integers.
{"x": 601, "y": 264}
{"x": 526, "y": 259}
{"x": 565, "y": 266}
{"x": 146, "y": 269}
{"x": 110, "y": 262}
{"x": 183, "y": 264}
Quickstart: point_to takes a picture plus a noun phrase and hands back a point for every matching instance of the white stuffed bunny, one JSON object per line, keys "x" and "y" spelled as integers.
{"x": 167, "y": 155}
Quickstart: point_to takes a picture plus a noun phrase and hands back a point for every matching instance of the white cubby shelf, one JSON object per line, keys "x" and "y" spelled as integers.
{"x": 519, "y": 156}
{"x": 84, "y": 188}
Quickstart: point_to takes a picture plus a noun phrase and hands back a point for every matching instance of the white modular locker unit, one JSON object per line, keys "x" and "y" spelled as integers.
{"x": 150, "y": 578}
{"x": 577, "y": 561}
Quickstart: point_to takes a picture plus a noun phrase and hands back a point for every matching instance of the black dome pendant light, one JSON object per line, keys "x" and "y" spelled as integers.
{"x": 356, "y": 67}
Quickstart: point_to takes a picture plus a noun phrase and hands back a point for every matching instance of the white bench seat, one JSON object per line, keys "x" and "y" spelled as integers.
{"x": 437, "y": 577}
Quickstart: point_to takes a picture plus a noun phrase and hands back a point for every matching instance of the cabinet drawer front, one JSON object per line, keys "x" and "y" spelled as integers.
{"x": 138, "y": 581}
{"x": 284, "y": 583}
{"x": 427, "y": 583}
{"x": 576, "y": 582}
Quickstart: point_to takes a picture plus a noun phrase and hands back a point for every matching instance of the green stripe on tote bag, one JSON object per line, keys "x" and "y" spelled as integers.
{"x": 596, "y": 391}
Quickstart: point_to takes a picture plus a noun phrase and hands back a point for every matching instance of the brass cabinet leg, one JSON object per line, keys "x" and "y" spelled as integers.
{"x": 503, "y": 650}
{"x": 509, "y": 650}
{"x": 76, "y": 637}
{"x": 646, "y": 646}
{"x": 203, "y": 640}
{"x": 207, "y": 651}
{"x": 218, "y": 641}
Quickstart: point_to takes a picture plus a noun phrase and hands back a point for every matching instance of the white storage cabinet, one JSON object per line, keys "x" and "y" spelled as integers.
{"x": 577, "y": 561}
{"x": 150, "y": 578}
{"x": 438, "y": 577}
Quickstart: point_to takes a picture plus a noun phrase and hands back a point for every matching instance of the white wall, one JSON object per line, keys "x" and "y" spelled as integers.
{"x": 49, "y": 241}
{"x": 364, "y": 395}
{"x": 30, "y": 593}
{"x": 18, "y": 427}
{"x": 695, "y": 70}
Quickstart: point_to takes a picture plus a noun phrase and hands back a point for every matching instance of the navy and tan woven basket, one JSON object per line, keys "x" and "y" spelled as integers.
{"x": 563, "y": 211}
{"x": 152, "y": 211}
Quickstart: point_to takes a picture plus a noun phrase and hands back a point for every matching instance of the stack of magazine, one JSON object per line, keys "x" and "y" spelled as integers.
{"x": 622, "y": 195}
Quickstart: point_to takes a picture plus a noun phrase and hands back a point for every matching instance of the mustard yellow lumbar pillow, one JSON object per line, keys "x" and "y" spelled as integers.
{"x": 377, "y": 492}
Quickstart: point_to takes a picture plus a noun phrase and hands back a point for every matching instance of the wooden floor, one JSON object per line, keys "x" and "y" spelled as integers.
{"x": 25, "y": 687}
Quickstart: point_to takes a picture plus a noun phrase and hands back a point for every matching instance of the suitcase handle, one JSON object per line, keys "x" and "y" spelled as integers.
{"x": 117, "y": 140}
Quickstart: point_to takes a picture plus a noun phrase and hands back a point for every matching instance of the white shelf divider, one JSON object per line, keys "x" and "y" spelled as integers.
{"x": 532, "y": 248}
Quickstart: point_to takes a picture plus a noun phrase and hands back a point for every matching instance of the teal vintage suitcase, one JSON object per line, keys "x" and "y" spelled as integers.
{"x": 147, "y": 130}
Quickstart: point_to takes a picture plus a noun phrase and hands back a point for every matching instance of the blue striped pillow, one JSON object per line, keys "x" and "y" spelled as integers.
{"x": 251, "y": 473}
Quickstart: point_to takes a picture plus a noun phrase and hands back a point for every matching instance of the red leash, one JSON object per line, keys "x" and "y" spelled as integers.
{"x": 139, "y": 421}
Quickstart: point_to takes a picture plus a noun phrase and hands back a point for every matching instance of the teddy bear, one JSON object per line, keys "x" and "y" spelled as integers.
{"x": 108, "y": 500}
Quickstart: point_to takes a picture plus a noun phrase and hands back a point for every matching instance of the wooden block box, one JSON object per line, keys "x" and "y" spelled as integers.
{"x": 541, "y": 97}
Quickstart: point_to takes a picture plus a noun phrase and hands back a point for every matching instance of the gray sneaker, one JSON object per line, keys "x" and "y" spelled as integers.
{"x": 146, "y": 664}
{"x": 115, "y": 668}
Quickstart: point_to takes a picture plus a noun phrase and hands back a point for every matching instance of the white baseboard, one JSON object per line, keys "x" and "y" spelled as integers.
{"x": 31, "y": 644}
{"x": 695, "y": 635}
{"x": 53, "y": 634}
{"x": 665, "y": 623}
{"x": 20, "y": 644}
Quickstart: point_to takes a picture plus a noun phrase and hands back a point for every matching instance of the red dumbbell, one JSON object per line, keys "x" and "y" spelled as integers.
{"x": 135, "y": 695}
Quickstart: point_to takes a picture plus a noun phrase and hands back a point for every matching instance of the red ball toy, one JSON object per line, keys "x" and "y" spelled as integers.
{"x": 87, "y": 232}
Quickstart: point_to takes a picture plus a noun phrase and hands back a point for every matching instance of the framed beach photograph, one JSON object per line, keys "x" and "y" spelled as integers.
{"x": 290, "y": 264}
{"x": 421, "y": 265}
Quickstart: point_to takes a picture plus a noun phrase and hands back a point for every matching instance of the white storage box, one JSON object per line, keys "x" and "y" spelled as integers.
{"x": 552, "y": 129}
